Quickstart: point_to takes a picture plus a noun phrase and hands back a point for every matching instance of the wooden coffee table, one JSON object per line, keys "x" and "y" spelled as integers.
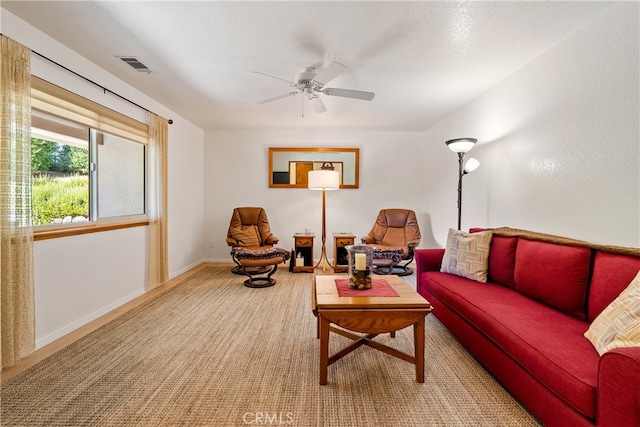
{"x": 370, "y": 315}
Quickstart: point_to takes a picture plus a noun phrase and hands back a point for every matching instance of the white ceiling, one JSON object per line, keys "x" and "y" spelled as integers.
{"x": 423, "y": 59}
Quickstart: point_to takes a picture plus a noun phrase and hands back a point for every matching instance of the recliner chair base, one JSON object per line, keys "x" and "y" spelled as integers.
{"x": 255, "y": 270}
{"x": 252, "y": 263}
{"x": 397, "y": 270}
{"x": 260, "y": 282}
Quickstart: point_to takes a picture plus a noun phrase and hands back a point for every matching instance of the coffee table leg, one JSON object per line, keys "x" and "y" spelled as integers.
{"x": 418, "y": 339}
{"x": 324, "y": 348}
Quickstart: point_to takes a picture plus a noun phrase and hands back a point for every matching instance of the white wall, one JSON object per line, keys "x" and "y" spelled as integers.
{"x": 186, "y": 191}
{"x": 79, "y": 278}
{"x": 82, "y": 277}
{"x": 236, "y": 174}
{"x": 558, "y": 142}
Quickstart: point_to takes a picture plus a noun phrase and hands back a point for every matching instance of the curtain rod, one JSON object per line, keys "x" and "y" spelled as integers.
{"x": 96, "y": 84}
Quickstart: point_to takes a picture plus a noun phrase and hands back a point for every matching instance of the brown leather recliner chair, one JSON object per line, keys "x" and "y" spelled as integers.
{"x": 249, "y": 228}
{"x": 396, "y": 229}
{"x": 252, "y": 248}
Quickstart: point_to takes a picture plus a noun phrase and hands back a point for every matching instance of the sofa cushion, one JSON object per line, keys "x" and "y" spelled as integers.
{"x": 502, "y": 260}
{"x": 619, "y": 324}
{"x": 612, "y": 273}
{"x": 528, "y": 331}
{"x": 467, "y": 255}
{"x": 554, "y": 274}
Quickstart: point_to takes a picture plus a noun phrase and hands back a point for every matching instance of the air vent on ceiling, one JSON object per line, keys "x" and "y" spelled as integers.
{"x": 135, "y": 63}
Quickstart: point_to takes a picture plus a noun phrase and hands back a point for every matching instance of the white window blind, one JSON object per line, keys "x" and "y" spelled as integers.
{"x": 60, "y": 102}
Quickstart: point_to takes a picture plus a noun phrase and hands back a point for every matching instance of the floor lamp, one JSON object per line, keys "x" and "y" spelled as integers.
{"x": 325, "y": 180}
{"x": 461, "y": 146}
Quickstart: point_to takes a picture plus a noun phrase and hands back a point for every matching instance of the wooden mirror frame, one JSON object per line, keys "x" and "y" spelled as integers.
{"x": 345, "y": 160}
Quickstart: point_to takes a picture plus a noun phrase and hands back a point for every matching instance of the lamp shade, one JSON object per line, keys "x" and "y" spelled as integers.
{"x": 471, "y": 165}
{"x": 461, "y": 145}
{"x": 324, "y": 180}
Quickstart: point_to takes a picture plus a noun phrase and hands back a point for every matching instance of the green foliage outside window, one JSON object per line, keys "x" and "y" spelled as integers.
{"x": 60, "y": 187}
{"x": 47, "y": 156}
{"x": 57, "y": 198}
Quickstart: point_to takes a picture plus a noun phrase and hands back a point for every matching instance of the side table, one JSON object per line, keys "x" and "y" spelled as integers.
{"x": 303, "y": 244}
{"x": 340, "y": 258}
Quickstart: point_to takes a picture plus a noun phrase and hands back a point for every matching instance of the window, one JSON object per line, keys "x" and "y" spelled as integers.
{"x": 120, "y": 176}
{"x": 60, "y": 168}
{"x": 88, "y": 162}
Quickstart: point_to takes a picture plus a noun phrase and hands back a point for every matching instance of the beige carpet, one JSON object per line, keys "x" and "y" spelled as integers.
{"x": 212, "y": 352}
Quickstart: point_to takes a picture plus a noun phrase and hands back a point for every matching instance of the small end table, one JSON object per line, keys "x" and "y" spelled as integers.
{"x": 303, "y": 244}
{"x": 340, "y": 258}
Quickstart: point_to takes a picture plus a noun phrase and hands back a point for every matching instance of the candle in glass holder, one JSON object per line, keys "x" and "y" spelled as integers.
{"x": 360, "y": 257}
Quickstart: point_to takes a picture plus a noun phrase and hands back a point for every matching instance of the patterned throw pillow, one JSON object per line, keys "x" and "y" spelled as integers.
{"x": 247, "y": 235}
{"x": 467, "y": 254}
{"x": 619, "y": 324}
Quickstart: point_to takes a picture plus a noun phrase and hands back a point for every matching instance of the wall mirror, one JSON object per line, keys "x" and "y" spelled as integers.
{"x": 290, "y": 166}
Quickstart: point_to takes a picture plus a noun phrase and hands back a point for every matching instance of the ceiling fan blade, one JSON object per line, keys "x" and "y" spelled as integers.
{"x": 348, "y": 93}
{"x": 332, "y": 71}
{"x": 274, "y": 77}
{"x": 318, "y": 105}
{"x": 275, "y": 98}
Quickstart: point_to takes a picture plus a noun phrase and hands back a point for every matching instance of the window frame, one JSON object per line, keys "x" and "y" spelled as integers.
{"x": 56, "y": 101}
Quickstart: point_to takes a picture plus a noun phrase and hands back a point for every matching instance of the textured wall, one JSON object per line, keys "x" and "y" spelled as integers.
{"x": 559, "y": 142}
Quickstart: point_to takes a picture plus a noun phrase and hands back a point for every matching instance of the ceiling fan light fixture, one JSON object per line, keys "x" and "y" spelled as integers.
{"x": 310, "y": 84}
{"x": 317, "y": 104}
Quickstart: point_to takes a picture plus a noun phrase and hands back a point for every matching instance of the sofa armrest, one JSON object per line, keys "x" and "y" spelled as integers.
{"x": 619, "y": 388}
{"x": 427, "y": 260}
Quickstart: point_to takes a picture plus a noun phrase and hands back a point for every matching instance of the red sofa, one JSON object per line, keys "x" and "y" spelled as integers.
{"x": 526, "y": 325}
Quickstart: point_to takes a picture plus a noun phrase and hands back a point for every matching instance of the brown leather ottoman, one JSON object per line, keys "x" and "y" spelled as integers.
{"x": 249, "y": 259}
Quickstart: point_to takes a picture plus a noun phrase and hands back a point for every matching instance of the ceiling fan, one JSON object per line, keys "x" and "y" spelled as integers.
{"x": 311, "y": 83}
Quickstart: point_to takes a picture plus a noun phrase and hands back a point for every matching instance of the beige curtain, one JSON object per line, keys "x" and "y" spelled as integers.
{"x": 158, "y": 270}
{"x": 17, "y": 318}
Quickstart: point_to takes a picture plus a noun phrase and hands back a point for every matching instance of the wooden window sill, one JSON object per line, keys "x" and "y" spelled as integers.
{"x": 75, "y": 230}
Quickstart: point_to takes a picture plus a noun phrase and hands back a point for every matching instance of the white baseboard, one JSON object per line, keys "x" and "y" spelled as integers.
{"x": 48, "y": 339}
{"x": 187, "y": 268}
{"x": 53, "y": 336}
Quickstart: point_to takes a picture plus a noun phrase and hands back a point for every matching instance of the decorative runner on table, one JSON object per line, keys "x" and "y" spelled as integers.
{"x": 379, "y": 288}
